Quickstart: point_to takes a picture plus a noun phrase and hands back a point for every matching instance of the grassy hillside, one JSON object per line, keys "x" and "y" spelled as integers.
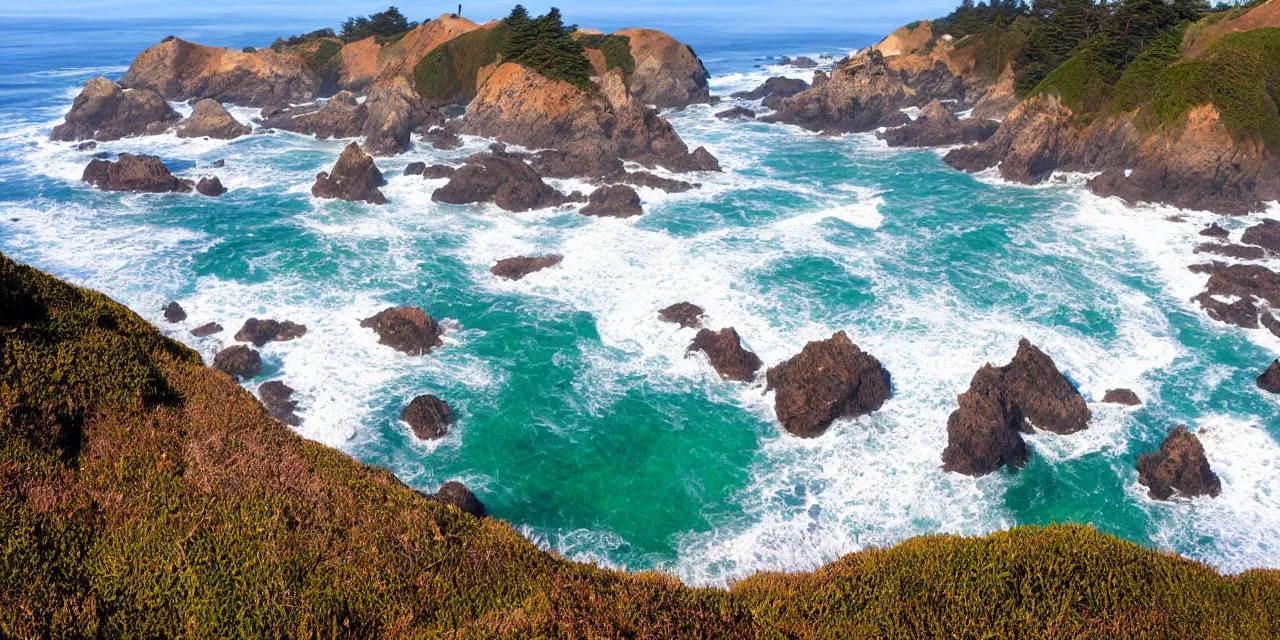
{"x": 143, "y": 495}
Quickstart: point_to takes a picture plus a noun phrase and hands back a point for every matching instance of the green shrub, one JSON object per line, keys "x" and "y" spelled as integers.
{"x": 1084, "y": 80}
{"x": 547, "y": 46}
{"x": 320, "y": 56}
{"x": 249, "y": 50}
{"x": 448, "y": 73}
{"x": 383, "y": 23}
{"x": 616, "y": 50}
{"x": 1137, "y": 84}
{"x": 1239, "y": 74}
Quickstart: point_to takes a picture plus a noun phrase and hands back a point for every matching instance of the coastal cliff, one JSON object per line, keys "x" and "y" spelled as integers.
{"x": 143, "y": 494}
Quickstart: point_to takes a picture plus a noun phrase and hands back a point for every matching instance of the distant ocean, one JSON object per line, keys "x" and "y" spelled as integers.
{"x": 581, "y": 421}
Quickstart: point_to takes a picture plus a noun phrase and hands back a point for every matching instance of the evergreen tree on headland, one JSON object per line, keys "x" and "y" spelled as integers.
{"x": 546, "y": 45}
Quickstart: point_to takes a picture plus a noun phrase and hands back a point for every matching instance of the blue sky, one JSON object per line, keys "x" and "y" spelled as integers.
{"x": 852, "y": 16}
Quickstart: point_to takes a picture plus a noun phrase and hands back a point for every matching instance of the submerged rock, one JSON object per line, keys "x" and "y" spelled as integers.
{"x": 1241, "y": 294}
{"x": 614, "y": 201}
{"x": 1269, "y": 380}
{"x": 415, "y": 168}
{"x": 206, "y": 330}
{"x": 685, "y": 314}
{"x": 1214, "y": 231}
{"x": 239, "y": 361}
{"x": 1180, "y": 467}
{"x": 456, "y": 494}
{"x": 504, "y": 180}
{"x": 428, "y": 416}
{"x": 211, "y": 120}
{"x": 407, "y": 329}
{"x": 1231, "y": 250}
{"x": 104, "y": 111}
{"x": 138, "y": 174}
{"x": 87, "y": 146}
{"x": 983, "y": 432}
{"x": 800, "y": 62}
{"x": 1122, "y": 396}
{"x": 173, "y": 312}
{"x": 773, "y": 88}
{"x": 260, "y": 332}
{"x": 737, "y": 113}
{"x": 355, "y": 177}
{"x": 521, "y": 266}
{"x": 724, "y": 349}
{"x": 275, "y": 396}
{"x": 829, "y": 379}
{"x": 211, "y": 187}
{"x": 442, "y": 139}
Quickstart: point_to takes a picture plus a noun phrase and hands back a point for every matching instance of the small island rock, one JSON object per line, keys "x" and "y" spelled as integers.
{"x": 1180, "y": 466}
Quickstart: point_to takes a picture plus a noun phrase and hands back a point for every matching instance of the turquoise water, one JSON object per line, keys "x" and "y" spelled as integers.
{"x": 580, "y": 420}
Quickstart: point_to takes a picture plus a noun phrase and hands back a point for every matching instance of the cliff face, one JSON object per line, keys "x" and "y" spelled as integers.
{"x": 520, "y": 106}
{"x": 666, "y": 72}
{"x": 180, "y": 70}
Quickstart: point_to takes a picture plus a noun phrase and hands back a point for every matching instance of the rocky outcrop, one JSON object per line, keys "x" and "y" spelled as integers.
{"x": 799, "y": 62}
{"x": 173, "y": 312}
{"x": 1026, "y": 146}
{"x": 407, "y": 329}
{"x": 501, "y": 179}
{"x": 1269, "y": 380}
{"x": 1179, "y": 467}
{"x": 1231, "y": 250}
{"x": 138, "y": 174}
{"x": 863, "y": 94}
{"x": 773, "y": 90}
{"x": 428, "y": 416}
{"x": 614, "y": 201}
{"x": 438, "y": 172}
{"x": 390, "y": 108}
{"x": 936, "y": 126}
{"x": 239, "y": 362}
{"x": 520, "y": 106}
{"x": 210, "y": 119}
{"x": 415, "y": 168}
{"x": 1121, "y": 396}
{"x": 456, "y": 494}
{"x": 521, "y": 266}
{"x": 552, "y": 163}
{"x": 685, "y": 314}
{"x": 442, "y": 139}
{"x": 260, "y": 332}
{"x": 206, "y": 330}
{"x": 276, "y": 398}
{"x": 181, "y": 70}
{"x": 649, "y": 180}
{"x": 828, "y": 380}
{"x": 342, "y": 116}
{"x": 211, "y": 187}
{"x": 105, "y": 111}
{"x": 737, "y": 113}
{"x": 354, "y": 178}
{"x": 1241, "y": 294}
{"x": 1265, "y": 234}
{"x": 1214, "y": 230}
{"x": 667, "y": 74}
{"x": 983, "y": 433}
{"x": 724, "y": 350}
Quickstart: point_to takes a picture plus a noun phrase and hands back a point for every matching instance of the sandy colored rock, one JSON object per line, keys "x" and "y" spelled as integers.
{"x": 181, "y": 70}
{"x": 210, "y": 119}
{"x": 667, "y": 73}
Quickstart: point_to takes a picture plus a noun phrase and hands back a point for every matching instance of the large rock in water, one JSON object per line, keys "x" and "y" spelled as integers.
{"x": 276, "y": 398}
{"x": 1027, "y": 146}
{"x": 861, "y": 94}
{"x": 173, "y": 312}
{"x": 456, "y": 494}
{"x": 1122, "y": 396}
{"x": 667, "y": 74}
{"x": 827, "y": 380}
{"x": 1180, "y": 466}
{"x": 428, "y": 416}
{"x": 104, "y": 111}
{"x": 773, "y": 89}
{"x": 390, "y": 108}
{"x": 1241, "y": 294}
{"x": 685, "y": 314}
{"x": 613, "y": 201}
{"x": 724, "y": 349}
{"x": 355, "y": 177}
{"x": 407, "y": 329}
{"x": 521, "y": 266}
{"x": 1265, "y": 234}
{"x": 342, "y": 116}
{"x": 210, "y": 119}
{"x": 239, "y": 361}
{"x": 518, "y": 105}
{"x": 499, "y": 178}
{"x": 260, "y": 332}
{"x": 1269, "y": 380}
{"x": 936, "y": 126}
{"x": 181, "y": 70}
{"x": 983, "y": 434}
{"x": 139, "y": 174}
{"x": 211, "y": 187}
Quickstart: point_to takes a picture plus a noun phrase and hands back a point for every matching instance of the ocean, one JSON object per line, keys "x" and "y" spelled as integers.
{"x": 581, "y": 421}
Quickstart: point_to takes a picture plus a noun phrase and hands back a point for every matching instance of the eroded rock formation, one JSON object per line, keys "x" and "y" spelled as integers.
{"x": 521, "y": 266}
{"x": 724, "y": 350}
{"x": 1178, "y": 467}
{"x": 613, "y": 201}
{"x": 139, "y": 174}
{"x": 428, "y": 416}
{"x": 276, "y": 397}
{"x": 685, "y": 314}
{"x": 210, "y": 119}
{"x": 501, "y": 179}
{"x": 407, "y": 329}
{"x": 354, "y": 178}
{"x": 105, "y": 111}
{"x": 936, "y": 126}
{"x": 828, "y": 380}
{"x": 260, "y": 332}
{"x": 239, "y": 361}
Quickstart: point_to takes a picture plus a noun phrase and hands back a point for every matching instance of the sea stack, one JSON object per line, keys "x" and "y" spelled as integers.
{"x": 829, "y": 379}
{"x": 1179, "y": 467}
{"x": 407, "y": 329}
{"x": 354, "y": 178}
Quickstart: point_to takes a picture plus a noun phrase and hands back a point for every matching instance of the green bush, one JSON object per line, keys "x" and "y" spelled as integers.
{"x": 249, "y": 50}
{"x": 448, "y": 73}
{"x": 1239, "y": 74}
{"x": 1084, "y": 80}
{"x": 1136, "y": 85}
{"x": 616, "y": 50}
{"x": 547, "y": 46}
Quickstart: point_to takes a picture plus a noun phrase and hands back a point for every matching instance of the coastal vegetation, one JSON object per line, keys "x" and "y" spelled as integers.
{"x": 144, "y": 495}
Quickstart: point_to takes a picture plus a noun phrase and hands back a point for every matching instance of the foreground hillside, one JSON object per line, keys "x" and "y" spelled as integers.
{"x": 145, "y": 495}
